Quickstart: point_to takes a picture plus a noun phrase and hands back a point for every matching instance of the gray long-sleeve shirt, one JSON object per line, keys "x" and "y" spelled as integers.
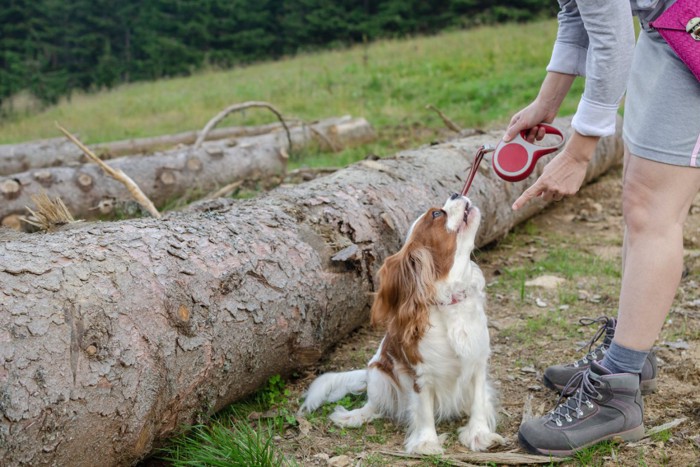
{"x": 596, "y": 40}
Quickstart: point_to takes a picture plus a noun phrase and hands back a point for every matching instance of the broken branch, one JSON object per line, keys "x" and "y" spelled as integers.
{"x": 446, "y": 120}
{"x": 237, "y": 108}
{"x": 116, "y": 174}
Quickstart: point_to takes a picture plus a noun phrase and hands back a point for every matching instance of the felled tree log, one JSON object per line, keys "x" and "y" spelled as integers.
{"x": 114, "y": 335}
{"x": 56, "y": 152}
{"x": 88, "y": 193}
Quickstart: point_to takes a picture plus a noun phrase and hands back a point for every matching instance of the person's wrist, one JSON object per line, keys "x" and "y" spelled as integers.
{"x": 552, "y": 93}
{"x": 582, "y": 147}
{"x": 547, "y": 108}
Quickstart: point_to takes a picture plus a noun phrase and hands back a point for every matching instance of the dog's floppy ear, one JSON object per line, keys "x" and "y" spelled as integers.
{"x": 406, "y": 290}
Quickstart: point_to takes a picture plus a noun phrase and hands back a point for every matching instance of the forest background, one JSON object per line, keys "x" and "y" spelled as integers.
{"x": 50, "y": 48}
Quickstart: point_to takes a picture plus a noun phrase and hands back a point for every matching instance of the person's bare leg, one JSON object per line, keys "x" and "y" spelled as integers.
{"x": 656, "y": 199}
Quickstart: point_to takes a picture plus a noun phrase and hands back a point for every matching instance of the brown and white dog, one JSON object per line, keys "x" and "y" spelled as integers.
{"x": 432, "y": 363}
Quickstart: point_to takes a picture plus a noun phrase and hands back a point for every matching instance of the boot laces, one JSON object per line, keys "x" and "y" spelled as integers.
{"x": 572, "y": 409}
{"x": 606, "y": 327}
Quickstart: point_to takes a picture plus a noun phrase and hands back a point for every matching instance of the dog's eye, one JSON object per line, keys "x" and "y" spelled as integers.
{"x": 437, "y": 214}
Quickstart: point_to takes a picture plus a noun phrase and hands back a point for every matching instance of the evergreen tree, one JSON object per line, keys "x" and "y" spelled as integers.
{"x": 51, "y": 47}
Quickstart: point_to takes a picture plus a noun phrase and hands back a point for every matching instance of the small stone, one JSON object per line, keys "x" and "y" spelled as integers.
{"x": 304, "y": 426}
{"x": 678, "y": 345}
{"x": 546, "y": 282}
{"x": 340, "y": 461}
{"x": 540, "y": 303}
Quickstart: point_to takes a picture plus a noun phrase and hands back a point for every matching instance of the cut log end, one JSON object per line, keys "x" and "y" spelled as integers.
{"x": 343, "y": 134}
{"x": 13, "y": 221}
{"x": 194, "y": 164}
{"x": 215, "y": 152}
{"x": 84, "y": 181}
{"x": 44, "y": 177}
{"x": 10, "y": 188}
{"x": 167, "y": 177}
{"x": 106, "y": 206}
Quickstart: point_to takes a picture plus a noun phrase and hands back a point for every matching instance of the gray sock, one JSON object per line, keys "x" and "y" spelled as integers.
{"x": 619, "y": 359}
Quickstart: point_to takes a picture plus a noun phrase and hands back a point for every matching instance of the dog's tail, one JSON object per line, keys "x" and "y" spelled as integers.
{"x": 332, "y": 387}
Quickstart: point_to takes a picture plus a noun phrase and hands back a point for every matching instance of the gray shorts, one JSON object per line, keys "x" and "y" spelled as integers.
{"x": 662, "y": 107}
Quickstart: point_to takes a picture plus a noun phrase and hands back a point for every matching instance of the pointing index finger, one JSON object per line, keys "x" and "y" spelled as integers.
{"x": 527, "y": 195}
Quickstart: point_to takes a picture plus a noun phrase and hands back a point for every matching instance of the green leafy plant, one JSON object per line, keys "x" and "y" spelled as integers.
{"x": 275, "y": 396}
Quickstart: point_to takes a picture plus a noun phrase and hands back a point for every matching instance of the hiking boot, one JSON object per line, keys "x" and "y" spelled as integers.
{"x": 602, "y": 406}
{"x": 555, "y": 377}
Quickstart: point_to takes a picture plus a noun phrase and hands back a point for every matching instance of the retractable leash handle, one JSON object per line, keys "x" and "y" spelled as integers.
{"x": 515, "y": 160}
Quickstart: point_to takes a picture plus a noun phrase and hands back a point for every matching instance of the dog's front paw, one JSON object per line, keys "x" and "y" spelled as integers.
{"x": 427, "y": 444}
{"x": 479, "y": 438}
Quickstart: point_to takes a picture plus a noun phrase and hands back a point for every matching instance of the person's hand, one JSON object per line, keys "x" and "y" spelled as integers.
{"x": 529, "y": 119}
{"x": 542, "y": 110}
{"x": 564, "y": 174}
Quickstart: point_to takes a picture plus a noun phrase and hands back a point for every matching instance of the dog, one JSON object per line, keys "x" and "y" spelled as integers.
{"x": 432, "y": 363}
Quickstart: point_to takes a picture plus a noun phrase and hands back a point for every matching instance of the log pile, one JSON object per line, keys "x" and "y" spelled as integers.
{"x": 114, "y": 335}
{"x": 167, "y": 175}
{"x": 57, "y": 152}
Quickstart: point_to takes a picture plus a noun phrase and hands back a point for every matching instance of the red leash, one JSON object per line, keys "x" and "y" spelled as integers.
{"x": 477, "y": 160}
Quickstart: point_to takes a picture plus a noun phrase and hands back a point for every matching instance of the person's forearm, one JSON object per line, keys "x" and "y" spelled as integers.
{"x": 553, "y": 91}
{"x": 610, "y": 52}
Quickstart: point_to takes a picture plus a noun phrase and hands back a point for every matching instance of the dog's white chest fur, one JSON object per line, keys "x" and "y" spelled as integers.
{"x": 456, "y": 346}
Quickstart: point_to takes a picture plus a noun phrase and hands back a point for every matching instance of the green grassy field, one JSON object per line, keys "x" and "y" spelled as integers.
{"x": 478, "y": 77}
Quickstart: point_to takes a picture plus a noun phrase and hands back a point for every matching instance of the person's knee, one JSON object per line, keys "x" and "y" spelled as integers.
{"x": 648, "y": 212}
{"x": 638, "y": 208}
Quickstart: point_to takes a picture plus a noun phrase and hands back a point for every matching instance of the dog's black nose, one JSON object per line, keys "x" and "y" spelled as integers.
{"x": 455, "y": 196}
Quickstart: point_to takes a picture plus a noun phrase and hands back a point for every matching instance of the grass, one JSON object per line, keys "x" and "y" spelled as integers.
{"x": 596, "y": 454}
{"x": 224, "y": 445}
{"x": 234, "y": 437}
{"x": 478, "y": 77}
{"x": 566, "y": 262}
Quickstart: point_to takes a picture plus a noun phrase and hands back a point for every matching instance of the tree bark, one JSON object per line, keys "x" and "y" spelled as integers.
{"x": 114, "y": 335}
{"x": 88, "y": 193}
{"x": 57, "y": 152}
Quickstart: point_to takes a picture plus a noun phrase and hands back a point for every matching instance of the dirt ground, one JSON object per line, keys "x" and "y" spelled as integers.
{"x": 534, "y": 327}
